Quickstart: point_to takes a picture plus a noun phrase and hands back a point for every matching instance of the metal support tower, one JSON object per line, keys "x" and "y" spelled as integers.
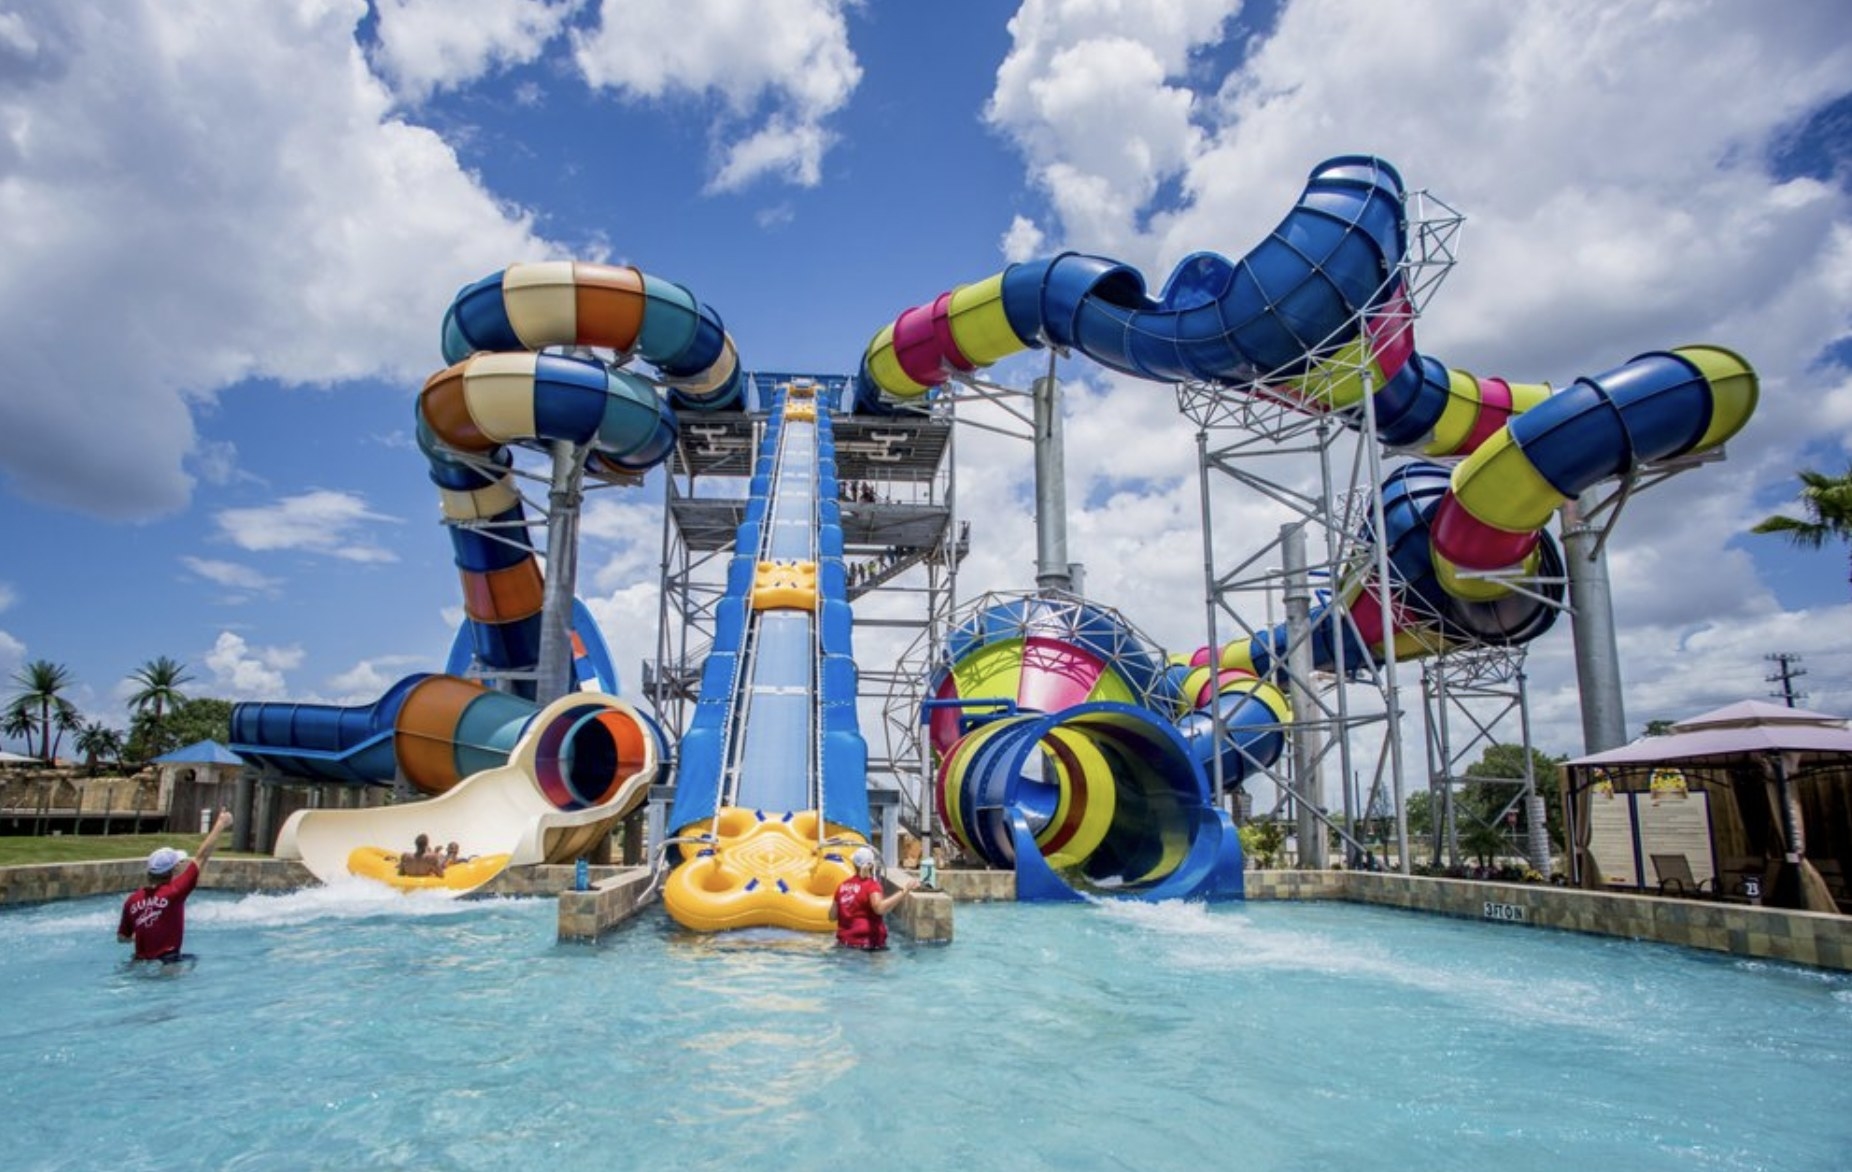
{"x": 1469, "y": 698}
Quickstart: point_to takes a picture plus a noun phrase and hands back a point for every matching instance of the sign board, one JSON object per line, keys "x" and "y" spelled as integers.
{"x": 1611, "y": 840}
{"x": 1627, "y": 829}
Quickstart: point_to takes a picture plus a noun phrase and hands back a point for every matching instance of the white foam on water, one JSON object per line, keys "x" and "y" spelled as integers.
{"x": 1225, "y": 937}
{"x": 348, "y": 899}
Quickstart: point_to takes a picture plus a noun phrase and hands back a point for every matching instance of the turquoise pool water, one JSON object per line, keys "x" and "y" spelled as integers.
{"x": 334, "y": 1028}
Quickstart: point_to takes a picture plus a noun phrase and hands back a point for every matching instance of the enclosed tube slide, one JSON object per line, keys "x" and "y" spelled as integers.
{"x": 771, "y": 790}
{"x": 472, "y": 412}
{"x": 1052, "y": 723}
{"x": 1300, "y": 319}
{"x": 444, "y": 733}
{"x": 516, "y": 784}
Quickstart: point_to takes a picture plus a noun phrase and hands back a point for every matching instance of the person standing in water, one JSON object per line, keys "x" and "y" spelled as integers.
{"x": 861, "y": 902}
{"x": 154, "y": 917}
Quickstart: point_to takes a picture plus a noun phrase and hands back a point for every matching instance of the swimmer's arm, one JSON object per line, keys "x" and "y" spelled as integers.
{"x": 211, "y": 844}
{"x": 884, "y": 903}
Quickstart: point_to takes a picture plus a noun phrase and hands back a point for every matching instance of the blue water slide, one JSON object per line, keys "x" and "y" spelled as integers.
{"x": 1166, "y": 838}
{"x": 345, "y": 744}
{"x": 781, "y": 683}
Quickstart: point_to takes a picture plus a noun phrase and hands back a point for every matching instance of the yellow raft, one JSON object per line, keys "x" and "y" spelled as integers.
{"x": 376, "y": 862}
{"x": 760, "y": 870}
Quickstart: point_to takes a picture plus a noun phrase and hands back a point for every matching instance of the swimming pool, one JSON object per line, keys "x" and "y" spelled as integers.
{"x": 342, "y": 1028}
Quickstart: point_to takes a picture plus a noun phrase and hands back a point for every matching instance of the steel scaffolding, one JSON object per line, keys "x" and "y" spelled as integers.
{"x": 1324, "y": 469}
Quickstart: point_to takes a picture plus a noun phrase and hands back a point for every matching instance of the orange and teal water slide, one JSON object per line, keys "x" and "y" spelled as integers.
{"x": 540, "y": 784}
{"x": 1303, "y": 319}
{"x": 771, "y": 792}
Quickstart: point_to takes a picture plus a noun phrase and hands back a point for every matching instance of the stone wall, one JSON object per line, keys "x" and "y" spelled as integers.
{"x": 613, "y": 899}
{"x": 1809, "y": 938}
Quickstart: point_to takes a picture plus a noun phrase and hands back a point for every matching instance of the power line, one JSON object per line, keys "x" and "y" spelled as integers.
{"x": 1786, "y": 672}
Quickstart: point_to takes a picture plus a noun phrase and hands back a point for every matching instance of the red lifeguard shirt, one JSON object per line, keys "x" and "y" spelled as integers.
{"x": 156, "y": 916}
{"x": 857, "y": 924}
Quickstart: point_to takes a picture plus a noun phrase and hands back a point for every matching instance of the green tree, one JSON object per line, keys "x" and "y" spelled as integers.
{"x": 19, "y": 723}
{"x": 97, "y": 741}
{"x": 203, "y": 719}
{"x": 1491, "y": 788}
{"x": 40, "y": 684}
{"x": 1419, "y": 808}
{"x": 1827, "y": 503}
{"x": 1262, "y": 842}
{"x": 65, "y": 718}
{"x": 158, "y": 692}
{"x": 1658, "y": 728}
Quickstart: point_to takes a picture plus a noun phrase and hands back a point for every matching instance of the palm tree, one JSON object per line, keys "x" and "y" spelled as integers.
{"x": 40, "y": 682}
{"x": 97, "y": 740}
{"x": 65, "y": 718}
{"x": 1828, "y": 504}
{"x": 160, "y": 681}
{"x": 19, "y": 723}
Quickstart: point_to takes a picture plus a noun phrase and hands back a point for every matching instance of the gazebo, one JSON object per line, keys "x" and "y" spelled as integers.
{"x": 1751, "y": 801}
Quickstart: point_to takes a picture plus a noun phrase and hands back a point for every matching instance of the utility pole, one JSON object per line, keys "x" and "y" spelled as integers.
{"x": 1786, "y": 672}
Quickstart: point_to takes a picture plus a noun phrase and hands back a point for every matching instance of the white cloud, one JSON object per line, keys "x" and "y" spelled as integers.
{"x": 368, "y": 680}
{"x": 1092, "y": 94}
{"x": 428, "y": 45}
{"x": 12, "y": 656}
{"x": 251, "y": 673}
{"x": 1024, "y": 240}
{"x": 223, "y": 225}
{"x": 321, "y": 522}
{"x": 790, "y": 55}
{"x": 8, "y": 596}
{"x": 234, "y": 575}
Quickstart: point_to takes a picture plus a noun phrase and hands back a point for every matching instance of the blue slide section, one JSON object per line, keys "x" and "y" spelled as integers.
{"x": 775, "y": 727}
{"x": 325, "y": 741}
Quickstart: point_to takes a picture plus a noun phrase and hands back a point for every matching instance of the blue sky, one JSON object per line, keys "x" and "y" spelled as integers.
{"x": 232, "y": 229}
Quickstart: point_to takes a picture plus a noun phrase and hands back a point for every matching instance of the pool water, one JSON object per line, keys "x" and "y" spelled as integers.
{"x": 342, "y": 1028}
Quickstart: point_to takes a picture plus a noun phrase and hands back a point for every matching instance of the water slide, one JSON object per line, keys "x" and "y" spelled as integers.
{"x": 533, "y": 785}
{"x": 1054, "y": 725}
{"x": 771, "y": 782}
{"x": 515, "y": 784}
{"x": 1317, "y": 317}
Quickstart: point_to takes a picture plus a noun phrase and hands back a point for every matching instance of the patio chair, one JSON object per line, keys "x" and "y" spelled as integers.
{"x": 1746, "y": 879}
{"x": 1676, "y": 879}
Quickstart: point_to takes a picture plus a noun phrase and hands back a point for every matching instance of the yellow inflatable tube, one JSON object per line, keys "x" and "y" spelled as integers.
{"x": 760, "y": 870}
{"x": 378, "y": 862}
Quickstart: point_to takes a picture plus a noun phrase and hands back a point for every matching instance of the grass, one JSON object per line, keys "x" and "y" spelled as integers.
{"x": 94, "y": 848}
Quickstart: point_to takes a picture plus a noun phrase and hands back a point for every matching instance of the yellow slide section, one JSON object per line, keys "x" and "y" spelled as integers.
{"x": 759, "y": 870}
{"x": 498, "y": 818}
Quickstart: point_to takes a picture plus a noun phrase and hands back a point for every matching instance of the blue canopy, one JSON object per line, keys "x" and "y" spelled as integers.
{"x": 200, "y": 753}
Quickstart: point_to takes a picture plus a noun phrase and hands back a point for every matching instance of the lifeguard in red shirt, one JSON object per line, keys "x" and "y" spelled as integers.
{"x": 154, "y": 917}
{"x": 861, "y": 902}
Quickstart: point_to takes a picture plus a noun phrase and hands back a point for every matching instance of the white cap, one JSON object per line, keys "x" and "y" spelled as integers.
{"x": 863, "y": 857}
{"x": 164, "y": 860}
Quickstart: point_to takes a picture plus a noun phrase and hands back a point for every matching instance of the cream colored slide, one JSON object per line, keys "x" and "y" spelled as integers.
{"x": 583, "y": 763}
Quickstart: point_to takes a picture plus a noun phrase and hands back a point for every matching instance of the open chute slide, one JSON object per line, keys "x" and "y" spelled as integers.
{"x": 771, "y": 790}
